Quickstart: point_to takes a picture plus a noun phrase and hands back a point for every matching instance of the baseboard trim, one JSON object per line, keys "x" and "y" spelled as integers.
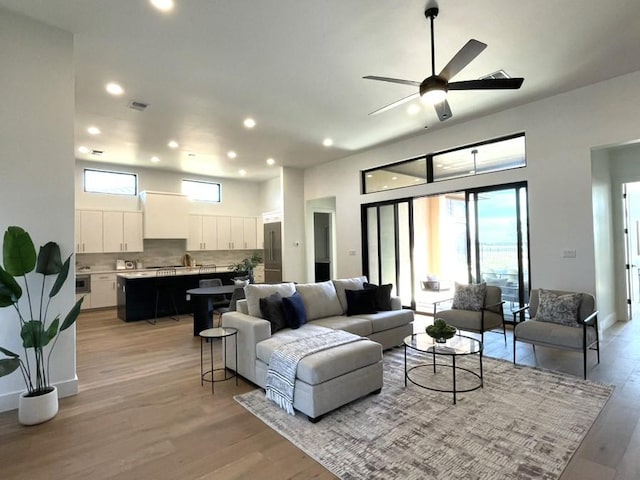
{"x": 9, "y": 401}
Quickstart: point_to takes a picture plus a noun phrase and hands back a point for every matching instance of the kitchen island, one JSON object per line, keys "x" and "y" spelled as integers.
{"x": 137, "y": 292}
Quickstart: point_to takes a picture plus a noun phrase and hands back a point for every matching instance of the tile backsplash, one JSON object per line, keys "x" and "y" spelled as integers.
{"x": 162, "y": 253}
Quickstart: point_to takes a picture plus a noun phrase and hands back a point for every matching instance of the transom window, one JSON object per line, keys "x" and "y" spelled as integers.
{"x": 114, "y": 183}
{"x": 203, "y": 191}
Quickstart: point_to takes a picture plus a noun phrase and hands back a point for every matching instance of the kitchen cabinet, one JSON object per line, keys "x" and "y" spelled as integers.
{"x": 203, "y": 233}
{"x": 237, "y": 233}
{"x": 122, "y": 231}
{"x": 103, "y": 290}
{"x": 89, "y": 231}
{"x": 86, "y": 303}
{"x": 166, "y": 215}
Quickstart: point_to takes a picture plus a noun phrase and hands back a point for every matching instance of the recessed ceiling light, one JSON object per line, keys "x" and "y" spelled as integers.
{"x": 369, "y": 175}
{"x": 231, "y": 154}
{"x": 83, "y": 150}
{"x": 173, "y": 144}
{"x": 385, "y": 186}
{"x": 270, "y": 161}
{"x": 114, "y": 88}
{"x": 163, "y": 5}
{"x": 242, "y": 172}
{"x": 93, "y": 130}
{"x": 249, "y": 122}
{"x": 418, "y": 179}
{"x": 413, "y": 109}
{"x": 327, "y": 142}
{"x": 155, "y": 159}
{"x": 394, "y": 178}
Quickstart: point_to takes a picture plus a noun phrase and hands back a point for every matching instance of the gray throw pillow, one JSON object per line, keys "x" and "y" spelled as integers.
{"x": 469, "y": 297}
{"x": 562, "y": 309}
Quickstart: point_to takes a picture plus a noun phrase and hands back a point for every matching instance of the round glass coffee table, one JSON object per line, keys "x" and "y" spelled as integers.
{"x": 424, "y": 375}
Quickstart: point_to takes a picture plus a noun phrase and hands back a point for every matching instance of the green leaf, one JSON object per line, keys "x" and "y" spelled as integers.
{"x": 61, "y": 278}
{"x": 10, "y": 291}
{"x": 52, "y": 330}
{"x": 9, "y": 353}
{"x": 32, "y": 334}
{"x": 18, "y": 252}
{"x": 72, "y": 315}
{"x": 49, "y": 262}
{"x": 8, "y": 365}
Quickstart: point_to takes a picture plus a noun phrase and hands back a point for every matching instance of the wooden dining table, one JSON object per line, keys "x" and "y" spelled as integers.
{"x": 201, "y": 297}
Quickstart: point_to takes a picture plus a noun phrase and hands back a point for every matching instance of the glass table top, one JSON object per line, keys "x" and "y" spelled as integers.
{"x": 456, "y": 345}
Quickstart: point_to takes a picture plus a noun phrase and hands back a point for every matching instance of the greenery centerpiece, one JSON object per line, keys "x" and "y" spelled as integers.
{"x": 247, "y": 265}
{"x": 440, "y": 331}
{"x": 37, "y": 330}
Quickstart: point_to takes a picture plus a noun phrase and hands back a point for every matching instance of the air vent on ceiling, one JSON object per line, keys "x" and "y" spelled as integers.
{"x": 498, "y": 74}
{"x": 140, "y": 106}
{"x": 97, "y": 152}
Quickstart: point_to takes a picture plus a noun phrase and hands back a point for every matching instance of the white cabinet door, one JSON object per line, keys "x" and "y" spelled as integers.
{"x": 132, "y": 232}
{"x": 90, "y": 228}
{"x": 237, "y": 233}
{"x": 112, "y": 233}
{"x": 209, "y": 232}
{"x": 250, "y": 233}
{"x": 165, "y": 215}
{"x": 86, "y": 303}
{"x": 103, "y": 290}
{"x": 194, "y": 240}
{"x": 224, "y": 233}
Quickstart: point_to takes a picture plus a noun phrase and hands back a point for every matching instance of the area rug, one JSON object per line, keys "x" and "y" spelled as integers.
{"x": 525, "y": 423}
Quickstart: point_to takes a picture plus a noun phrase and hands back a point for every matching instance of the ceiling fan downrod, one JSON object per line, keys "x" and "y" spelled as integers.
{"x": 432, "y": 13}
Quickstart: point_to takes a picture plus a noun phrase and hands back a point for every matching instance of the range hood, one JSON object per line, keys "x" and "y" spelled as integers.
{"x": 166, "y": 215}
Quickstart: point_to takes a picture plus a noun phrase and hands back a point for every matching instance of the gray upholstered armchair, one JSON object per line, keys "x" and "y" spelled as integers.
{"x": 559, "y": 319}
{"x": 480, "y": 314}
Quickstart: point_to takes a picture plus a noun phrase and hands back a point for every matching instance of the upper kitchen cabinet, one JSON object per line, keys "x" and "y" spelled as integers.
{"x": 250, "y": 233}
{"x": 237, "y": 233}
{"x": 203, "y": 233}
{"x": 166, "y": 215}
{"x": 89, "y": 231}
{"x": 122, "y": 231}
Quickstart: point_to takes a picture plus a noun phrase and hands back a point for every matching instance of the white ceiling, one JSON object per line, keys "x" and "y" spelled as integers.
{"x": 296, "y": 66}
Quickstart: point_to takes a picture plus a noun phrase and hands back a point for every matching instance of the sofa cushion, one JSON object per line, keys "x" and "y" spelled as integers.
{"x": 469, "y": 297}
{"x": 387, "y": 320}
{"x": 255, "y": 292}
{"x": 320, "y": 299}
{"x": 360, "y": 301}
{"x": 383, "y": 295}
{"x": 271, "y": 309}
{"x": 355, "y": 325}
{"x": 556, "y": 308}
{"x": 342, "y": 284}
{"x": 295, "y": 314}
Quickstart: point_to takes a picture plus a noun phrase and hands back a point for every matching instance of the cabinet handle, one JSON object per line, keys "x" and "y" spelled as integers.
{"x": 83, "y": 247}
{"x": 126, "y": 247}
{"x": 121, "y": 247}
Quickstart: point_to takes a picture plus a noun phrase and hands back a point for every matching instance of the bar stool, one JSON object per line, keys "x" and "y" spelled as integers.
{"x": 165, "y": 291}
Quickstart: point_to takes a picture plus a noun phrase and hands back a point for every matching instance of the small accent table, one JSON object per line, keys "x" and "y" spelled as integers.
{"x": 209, "y": 335}
{"x": 454, "y": 347}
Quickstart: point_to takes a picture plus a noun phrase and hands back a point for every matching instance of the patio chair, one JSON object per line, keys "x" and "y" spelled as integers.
{"x": 559, "y": 319}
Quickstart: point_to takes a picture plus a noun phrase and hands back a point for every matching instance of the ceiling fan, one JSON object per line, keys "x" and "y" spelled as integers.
{"x": 434, "y": 88}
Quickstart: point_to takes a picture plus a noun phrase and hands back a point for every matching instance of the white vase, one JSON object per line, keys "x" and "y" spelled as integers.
{"x": 35, "y": 410}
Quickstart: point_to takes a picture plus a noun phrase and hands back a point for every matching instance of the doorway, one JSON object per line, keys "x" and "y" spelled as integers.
{"x": 631, "y": 219}
{"x": 322, "y": 234}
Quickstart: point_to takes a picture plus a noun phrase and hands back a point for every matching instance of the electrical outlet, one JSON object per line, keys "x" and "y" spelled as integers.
{"x": 352, "y": 253}
{"x": 568, "y": 253}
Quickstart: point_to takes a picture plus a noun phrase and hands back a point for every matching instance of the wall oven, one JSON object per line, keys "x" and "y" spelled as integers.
{"x": 83, "y": 283}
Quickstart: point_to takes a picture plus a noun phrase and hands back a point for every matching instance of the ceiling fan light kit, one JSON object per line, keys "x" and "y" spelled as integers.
{"x": 434, "y": 88}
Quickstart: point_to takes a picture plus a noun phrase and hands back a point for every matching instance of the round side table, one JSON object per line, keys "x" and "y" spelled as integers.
{"x": 209, "y": 335}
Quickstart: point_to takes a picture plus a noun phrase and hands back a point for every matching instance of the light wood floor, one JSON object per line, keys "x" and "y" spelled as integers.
{"x": 142, "y": 414}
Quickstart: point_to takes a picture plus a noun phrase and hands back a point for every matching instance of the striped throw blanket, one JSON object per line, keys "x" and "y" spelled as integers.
{"x": 283, "y": 363}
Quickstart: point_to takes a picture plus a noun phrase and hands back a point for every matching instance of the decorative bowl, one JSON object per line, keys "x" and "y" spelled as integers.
{"x": 440, "y": 331}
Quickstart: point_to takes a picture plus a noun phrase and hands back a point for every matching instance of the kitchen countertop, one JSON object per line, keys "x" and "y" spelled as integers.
{"x": 144, "y": 272}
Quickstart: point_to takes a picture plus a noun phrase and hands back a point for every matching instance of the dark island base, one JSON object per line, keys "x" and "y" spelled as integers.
{"x": 137, "y": 296}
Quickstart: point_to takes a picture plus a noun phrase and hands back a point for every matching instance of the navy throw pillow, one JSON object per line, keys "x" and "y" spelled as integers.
{"x": 360, "y": 302}
{"x": 294, "y": 313}
{"x": 383, "y": 295}
{"x": 272, "y": 309}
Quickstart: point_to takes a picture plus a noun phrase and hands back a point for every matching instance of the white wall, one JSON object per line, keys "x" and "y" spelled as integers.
{"x": 293, "y": 226}
{"x": 560, "y": 134}
{"x": 36, "y": 154}
{"x": 271, "y": 195}
{"x": 239, "y": 198}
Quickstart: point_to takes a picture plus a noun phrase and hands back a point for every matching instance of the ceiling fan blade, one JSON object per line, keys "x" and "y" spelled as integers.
{"x": 488, "y": 84}
{"x": 465, "y": 55}
{"x": 443, "y": 110}
{"x": 393, "y": 80}
{"x": 396, "y": 103}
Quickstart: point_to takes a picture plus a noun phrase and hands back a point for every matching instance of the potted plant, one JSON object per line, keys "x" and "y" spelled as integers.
{"x": 247, "y": 265}
{"x": 40, "y": 402}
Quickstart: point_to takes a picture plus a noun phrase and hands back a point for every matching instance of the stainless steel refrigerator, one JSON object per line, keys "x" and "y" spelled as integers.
{"x": 272, "y": 252}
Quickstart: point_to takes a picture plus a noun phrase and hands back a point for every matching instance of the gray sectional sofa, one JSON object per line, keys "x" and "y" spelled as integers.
{"x": 330, "y": 378}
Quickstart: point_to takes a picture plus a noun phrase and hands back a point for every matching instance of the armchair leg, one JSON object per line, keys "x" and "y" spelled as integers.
{"x": 584, "y": 362}
{"x": 514, "y": 350}
{"x": 504, "y": 332}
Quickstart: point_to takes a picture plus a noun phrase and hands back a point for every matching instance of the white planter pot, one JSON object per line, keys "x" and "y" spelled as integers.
{"x": 34, "y": 410}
